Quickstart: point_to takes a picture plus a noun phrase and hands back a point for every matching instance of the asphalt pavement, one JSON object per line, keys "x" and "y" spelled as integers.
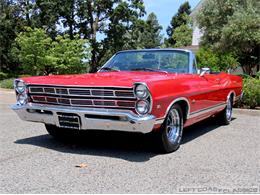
{"x": 212, "y": 158}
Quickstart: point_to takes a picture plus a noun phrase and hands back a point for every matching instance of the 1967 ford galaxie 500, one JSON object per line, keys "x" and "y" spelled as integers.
{"x": 155, "y": 90}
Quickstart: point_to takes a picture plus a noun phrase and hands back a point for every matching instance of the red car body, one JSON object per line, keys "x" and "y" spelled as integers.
{"x": 199, "y": 95}
{"x": 200, "y": 92}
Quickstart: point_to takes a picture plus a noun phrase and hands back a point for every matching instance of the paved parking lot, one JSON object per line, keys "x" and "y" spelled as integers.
{"x": 211, "y": 158}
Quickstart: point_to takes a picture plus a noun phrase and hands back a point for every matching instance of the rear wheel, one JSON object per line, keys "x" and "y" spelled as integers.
{"x": 170, "y": 135}
{"x": 226, "y": 115}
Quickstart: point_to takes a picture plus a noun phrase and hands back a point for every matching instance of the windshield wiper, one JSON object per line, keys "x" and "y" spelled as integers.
{"x": 109, "y": 69}
{"x": 148, "y": 69}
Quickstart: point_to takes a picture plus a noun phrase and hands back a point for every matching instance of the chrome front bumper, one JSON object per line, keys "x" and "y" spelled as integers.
{"x": 90, "y": 118}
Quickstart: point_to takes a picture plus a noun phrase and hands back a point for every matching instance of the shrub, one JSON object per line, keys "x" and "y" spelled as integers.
{"x": 251, "y": 96}
{"x": 257, "y": 75}
{"x": 3, "y": 76}
{"x": 7, "y": 83}
{"x": 216, "y": 61}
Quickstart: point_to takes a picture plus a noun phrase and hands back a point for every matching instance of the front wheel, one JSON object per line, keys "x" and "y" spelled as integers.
{"x": 170, "y": 134}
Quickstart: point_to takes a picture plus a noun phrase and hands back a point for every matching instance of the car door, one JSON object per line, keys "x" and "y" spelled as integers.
{"x": 210, "y": 85}
{"x": 208, "y": 93}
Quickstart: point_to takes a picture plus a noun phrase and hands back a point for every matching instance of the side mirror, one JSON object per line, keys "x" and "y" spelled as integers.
{"x": 204, "y": 71}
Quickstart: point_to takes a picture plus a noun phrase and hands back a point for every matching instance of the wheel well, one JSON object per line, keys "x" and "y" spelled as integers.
{"x": 185, "y": 108}
{"x": 232, "y": 96}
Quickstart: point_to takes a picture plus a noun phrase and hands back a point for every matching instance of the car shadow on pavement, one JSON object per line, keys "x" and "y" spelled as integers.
{"x": 133, "y": 147}
{"x": 199, "y": 129}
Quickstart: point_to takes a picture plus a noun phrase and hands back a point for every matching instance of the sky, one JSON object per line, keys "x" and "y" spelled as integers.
{"x": 165, "y": 9}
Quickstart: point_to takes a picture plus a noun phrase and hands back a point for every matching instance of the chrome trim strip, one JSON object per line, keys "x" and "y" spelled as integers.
{"x": 81, "y": 105}
{"x": 76, "y": 86}
{"x": 159, "y": 121}
{"x": 206, "y": 110}
{"x": 176, "y": 100}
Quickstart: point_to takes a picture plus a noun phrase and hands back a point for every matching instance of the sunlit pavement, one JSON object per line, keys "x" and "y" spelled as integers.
{"x": 211, "y": 158}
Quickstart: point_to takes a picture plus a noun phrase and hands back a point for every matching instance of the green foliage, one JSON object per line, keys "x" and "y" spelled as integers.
{"x": 178, "y": 20}
{"x": 3, "y": 76}
{"x": 182, "y": 35}
{"x": 232, "y": 26}
{"x": 145, "y": 34}
{"x": 216, "y": 61}
{"x": 251, "y": 89}
{"x": 257, "y": 75}
{"x": 31, "y": 49}
{"x": 39, "y": 54}
{"x": 151, "y": 37}
{"x": 7, "y": 83}
{"x": 66, "y": 55}
{"x": 10, "y": 23}
{"x": 113, "y": 19}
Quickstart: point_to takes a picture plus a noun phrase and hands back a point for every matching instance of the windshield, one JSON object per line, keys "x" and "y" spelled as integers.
{"x": 169, "y": 61}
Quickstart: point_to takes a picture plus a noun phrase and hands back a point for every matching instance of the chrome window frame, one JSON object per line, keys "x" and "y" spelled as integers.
{"x": 191, "y": 57}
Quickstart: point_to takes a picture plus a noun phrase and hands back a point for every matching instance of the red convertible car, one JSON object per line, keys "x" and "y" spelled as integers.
{"x": 152, "y": 90}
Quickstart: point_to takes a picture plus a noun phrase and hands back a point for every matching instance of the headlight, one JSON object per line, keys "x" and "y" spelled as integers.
{"x": 22, "y": 99}
{"x": 141, "y": 91}
{"x": 20, "y": 86}
{"x": 142, "y": 107}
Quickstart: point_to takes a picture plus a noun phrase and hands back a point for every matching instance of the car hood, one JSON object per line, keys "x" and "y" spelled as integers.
{"x": 102, "y": 79}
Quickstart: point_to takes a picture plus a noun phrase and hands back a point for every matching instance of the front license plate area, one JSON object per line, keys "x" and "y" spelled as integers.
{"x": 70, "y": 121}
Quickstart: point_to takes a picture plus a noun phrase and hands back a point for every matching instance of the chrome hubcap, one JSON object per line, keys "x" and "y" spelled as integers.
{"x": 229, "y": 110}
{"x": 173, "y": 126}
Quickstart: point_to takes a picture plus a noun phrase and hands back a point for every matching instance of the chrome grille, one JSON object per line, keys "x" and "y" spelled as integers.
{"x": 98, "y": 92}
{"x": 81, "y": 102}
{"x": 102, "y": 93}
{"x": 84, "y": 97}
{"x": 49, "y": 90}
{"x": 79, "y": 92}
{"x": 123, "y": 93}
{"x": 61, "y": 91}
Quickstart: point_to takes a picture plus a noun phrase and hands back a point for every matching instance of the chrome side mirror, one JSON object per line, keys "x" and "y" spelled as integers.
{"x": 203, "y": 71}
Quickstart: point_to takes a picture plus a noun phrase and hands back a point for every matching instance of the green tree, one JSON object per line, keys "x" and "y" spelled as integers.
{"x": 143, "y": 34}
{"x": 151, "y": 35}
{"x": 112, "y": 18}
{"x": 39, "y": 54}
{"x": 48, "y": 15}
{"x": 233, "y": 26}
{"x": 10, "y": 24}
{"x": 31, "y": 50}
{"x": 178, "y": 20}
{"x": 69, "y": 56}
{"x": 183, "y": 34}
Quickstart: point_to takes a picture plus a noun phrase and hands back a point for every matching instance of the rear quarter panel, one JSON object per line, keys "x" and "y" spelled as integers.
{"x": 165, "y": 92}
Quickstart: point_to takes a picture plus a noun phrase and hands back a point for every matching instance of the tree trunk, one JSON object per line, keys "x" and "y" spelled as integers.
{"x": 93, "y": 41}
{"x": 71, "y": 31}
{"x": 27, "y": 3}
{"x": 71, "y": 20}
